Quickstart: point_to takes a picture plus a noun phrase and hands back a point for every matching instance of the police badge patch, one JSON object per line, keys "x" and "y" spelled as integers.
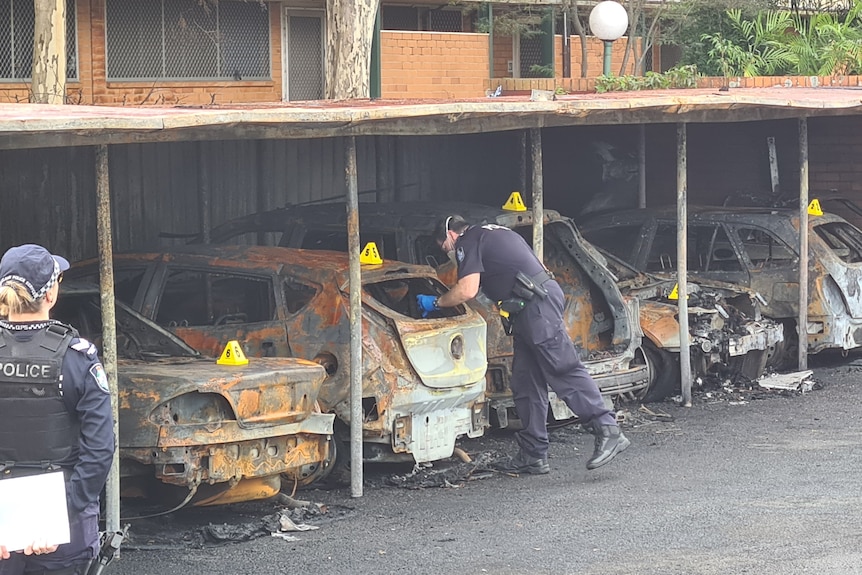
{"x": 98, "y": 373}
{"x": 459, "y": 254}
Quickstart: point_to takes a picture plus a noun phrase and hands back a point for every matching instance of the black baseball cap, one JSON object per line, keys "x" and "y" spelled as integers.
{"x": 32, "y": 266}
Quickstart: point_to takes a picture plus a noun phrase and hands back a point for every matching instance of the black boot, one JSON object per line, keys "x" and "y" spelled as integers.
{"x": 609, "y": 442}
{"x": 523, "y": 463}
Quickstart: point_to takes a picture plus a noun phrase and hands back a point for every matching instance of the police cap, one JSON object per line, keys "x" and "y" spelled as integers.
{"x": 32, "y": 266}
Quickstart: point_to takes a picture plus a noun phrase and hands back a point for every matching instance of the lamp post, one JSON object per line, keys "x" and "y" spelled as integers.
{"x": 608, "y": 21}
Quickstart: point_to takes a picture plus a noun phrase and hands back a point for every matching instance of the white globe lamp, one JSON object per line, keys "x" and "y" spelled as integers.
{"x": 608, "y": 22}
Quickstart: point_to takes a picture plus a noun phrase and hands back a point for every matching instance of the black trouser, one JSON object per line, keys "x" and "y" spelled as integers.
{"x": 544, "y": 355}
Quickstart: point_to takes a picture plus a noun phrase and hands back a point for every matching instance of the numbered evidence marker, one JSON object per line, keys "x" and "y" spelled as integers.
{"x": 370, "y": 255}
{"x": 232, "y": 354}
{"x": 515, "y": 203}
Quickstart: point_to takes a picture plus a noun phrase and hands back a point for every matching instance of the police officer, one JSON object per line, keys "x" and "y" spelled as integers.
{"x": 54, "y": 383}
{"x": 499, "y": 261}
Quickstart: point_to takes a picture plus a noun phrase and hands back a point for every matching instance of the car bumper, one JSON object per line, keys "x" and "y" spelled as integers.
{"x": 189, "y": 454}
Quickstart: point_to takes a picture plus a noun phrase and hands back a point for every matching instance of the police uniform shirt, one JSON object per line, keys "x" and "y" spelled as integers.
{"x": 87, "y": 396}
{"x": 497, "y": 253}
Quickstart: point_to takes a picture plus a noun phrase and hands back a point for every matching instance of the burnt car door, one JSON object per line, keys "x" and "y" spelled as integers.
{"x": 772, "y": 268}
{"x": 209, "y": 307}
{"x": 710, "y": 253}
{"x": 841, "y": 254}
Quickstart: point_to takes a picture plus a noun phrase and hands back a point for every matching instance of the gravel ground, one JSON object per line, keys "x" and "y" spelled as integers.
{"x": 744, "y": 481}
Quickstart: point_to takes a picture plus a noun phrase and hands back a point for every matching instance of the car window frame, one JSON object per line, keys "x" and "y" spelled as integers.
{"x": 157, "y": 288}
{"x": 733, "y": 233}
{"x": 853, "y": 243}
{"x": 143, "y": 288}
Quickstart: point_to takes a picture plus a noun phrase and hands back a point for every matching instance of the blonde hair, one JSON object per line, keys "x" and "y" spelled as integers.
{"x": 15, "y": 299}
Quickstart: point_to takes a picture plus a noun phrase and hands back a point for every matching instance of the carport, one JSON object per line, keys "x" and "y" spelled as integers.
{"x": 99, "y": 130}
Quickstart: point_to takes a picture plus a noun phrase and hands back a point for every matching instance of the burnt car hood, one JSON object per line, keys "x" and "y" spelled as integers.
{"x": 659, "y": 314}
{"x": 156, "y": 366}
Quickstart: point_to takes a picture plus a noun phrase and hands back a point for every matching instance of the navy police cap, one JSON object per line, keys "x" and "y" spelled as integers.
{"x": 32, "y": 266}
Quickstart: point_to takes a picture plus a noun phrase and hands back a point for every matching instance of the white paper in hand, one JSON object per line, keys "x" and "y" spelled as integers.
{"x": 33, "y": 509}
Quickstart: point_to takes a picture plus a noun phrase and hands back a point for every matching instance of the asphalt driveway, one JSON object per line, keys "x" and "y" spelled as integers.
{"x": 757, "y": 482}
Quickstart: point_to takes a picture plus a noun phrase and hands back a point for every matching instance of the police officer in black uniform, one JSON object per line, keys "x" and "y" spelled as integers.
{"x": 499, "y": 261}
{"x": 55, "y": 408}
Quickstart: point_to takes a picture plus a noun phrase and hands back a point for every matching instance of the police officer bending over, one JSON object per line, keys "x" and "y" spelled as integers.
{"x": 55, "y": 408}
{"x": 499, "y": 261}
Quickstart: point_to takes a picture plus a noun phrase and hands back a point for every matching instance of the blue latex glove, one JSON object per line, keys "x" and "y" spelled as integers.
{"x": 427, "y": 303}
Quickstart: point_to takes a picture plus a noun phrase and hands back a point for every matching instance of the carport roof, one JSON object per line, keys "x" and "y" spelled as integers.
{"x": 39, "y": 125}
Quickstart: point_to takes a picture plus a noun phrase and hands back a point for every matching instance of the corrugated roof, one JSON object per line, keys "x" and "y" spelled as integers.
{"x": 37, "y": 125}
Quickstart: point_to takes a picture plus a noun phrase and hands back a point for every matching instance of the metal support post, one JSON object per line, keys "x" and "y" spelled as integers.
{"x": 355, "y": 317}
{"x": 606, "y": 57}
{"x": 642, "y": 166}
{"x": 109, "y": 327}
{"x": 682, "y": 260}
{"x": 802, "y": 321}
{"x": 538, "y": 198}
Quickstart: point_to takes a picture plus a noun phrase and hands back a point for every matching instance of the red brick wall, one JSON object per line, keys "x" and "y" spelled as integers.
{"x": 595, "y": 56}
{"x": 185, "y": 92}
{"x": 433, "y": 65}
{"x": 502, "y": 56}
{"x": 93, "y": 87}
{"x": 834, "y": 145}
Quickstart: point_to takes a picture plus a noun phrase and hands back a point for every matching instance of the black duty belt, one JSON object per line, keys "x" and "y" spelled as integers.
{"x": 525, "y": 290}
{"x": 527, "y": 287}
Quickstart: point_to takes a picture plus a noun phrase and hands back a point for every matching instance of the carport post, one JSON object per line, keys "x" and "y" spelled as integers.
{"x": 682, "y": 260}
{"x": 109, "y": 327}
{"x": 522, "y": 165}
{"x": 355, "y": 318}
{"x": 538, "y": 198}
{"x": 642, "y": 166}
{"x": 802, "y": 322}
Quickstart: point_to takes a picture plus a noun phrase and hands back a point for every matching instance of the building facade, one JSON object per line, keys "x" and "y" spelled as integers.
{"x": 191, "y": 52}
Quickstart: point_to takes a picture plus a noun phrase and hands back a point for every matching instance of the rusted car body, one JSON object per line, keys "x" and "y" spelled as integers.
{"x": 599, "y": 320}
{"x": 756, "y": 248}
{"x": 728, "y": 335}
{"x": 217, "y": 433}
{"x": 422, "y": 378}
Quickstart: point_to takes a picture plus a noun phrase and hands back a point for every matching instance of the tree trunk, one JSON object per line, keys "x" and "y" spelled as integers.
{"x": 49, "y": 52}
{"x": 349, "y": 31}
{"x": 579, "y": 30}
{"x": 633, "y": 10}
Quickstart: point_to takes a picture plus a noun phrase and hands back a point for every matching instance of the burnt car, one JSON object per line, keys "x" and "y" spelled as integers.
{"x": 600, "y": 321}
{"x": 756, "y": 248}
{"x": 422, "y": 378}
{"x": 728, "y": 335}
{"x": 199, "y": 432}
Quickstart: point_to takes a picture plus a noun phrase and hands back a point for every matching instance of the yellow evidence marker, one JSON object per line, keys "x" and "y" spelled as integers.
{"x": 232, "y": 354}
{"x": 814, "y": 208}
{"x": 370, "y": 255}
{"x": 515, "y": 203}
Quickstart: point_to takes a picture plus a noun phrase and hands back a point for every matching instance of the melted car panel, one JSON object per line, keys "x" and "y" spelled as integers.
{"x": 283, "y": 302}
{"x": 186, "y": 421}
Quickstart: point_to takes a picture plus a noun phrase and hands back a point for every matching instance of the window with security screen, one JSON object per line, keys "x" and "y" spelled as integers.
{"x": 445, "y": 21}
{"x": 187, "y": 40}
{"x": 17, "y": 18}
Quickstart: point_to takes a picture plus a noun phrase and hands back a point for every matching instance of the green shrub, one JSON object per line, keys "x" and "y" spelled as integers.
{"x": 679, "y": 77}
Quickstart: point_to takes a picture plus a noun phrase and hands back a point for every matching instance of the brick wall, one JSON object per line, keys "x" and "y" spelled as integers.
{"x": 433, "y": 65}
{"x": 93, "y": 87}
{"x": 595, "y": 56}
{"x": 414, "y": 65}
{"x": 595, "y": 62}
{"x": 834, "y": 145}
